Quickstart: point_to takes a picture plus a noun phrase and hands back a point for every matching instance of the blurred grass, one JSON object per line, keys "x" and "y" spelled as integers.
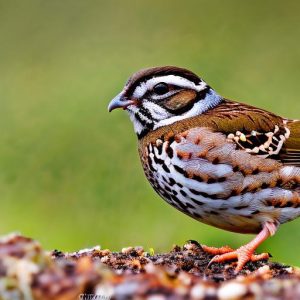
{"x": 69, "y": 171}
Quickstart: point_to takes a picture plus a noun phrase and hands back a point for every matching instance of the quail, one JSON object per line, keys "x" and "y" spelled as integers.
{"x": 222, "y": 162}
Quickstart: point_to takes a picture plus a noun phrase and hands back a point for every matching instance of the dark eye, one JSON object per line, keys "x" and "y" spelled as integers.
{"x": 161, "y": 88}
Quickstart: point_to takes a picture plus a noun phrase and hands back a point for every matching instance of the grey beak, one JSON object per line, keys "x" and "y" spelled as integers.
{"x": 119, "y": 102}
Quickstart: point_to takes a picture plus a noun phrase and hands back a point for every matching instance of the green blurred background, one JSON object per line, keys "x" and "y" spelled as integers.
{"x": 70, "y": 175}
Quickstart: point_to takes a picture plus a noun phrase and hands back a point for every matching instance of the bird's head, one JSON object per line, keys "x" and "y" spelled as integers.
{"x": 160, "y": 96}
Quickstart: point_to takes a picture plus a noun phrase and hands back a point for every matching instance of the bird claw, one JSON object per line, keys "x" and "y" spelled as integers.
{"x": 242, "y": 254}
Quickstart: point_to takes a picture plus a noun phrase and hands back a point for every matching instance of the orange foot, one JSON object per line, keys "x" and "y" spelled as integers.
{"x": 244, "y": 253}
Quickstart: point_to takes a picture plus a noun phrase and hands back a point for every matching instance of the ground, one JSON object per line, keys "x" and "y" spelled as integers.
{"x": 29, "y": 272}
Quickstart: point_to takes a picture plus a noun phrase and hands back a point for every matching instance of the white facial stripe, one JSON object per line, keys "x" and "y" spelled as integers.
{"x": 157, "y": 112}
{"x": 141, "y": 90}
{"x": 159, "y": 97}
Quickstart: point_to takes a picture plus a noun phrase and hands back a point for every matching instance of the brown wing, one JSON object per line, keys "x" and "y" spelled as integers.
{"x": 254, "y": 130}
{"x": 259, "y": 132}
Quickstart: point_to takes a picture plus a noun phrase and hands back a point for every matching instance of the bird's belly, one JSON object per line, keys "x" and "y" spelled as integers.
{"x": 233, "y": 214}
{"x": 209, "y": 201}
{"x": 244, "y": 213}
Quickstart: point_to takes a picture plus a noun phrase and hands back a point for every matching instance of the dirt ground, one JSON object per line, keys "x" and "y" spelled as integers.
{"x": 29, "y": 272}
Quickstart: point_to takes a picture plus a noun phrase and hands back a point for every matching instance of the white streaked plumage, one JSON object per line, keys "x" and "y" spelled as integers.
{"x": 148, "y": 85}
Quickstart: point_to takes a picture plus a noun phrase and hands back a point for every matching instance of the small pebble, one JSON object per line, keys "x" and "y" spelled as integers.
{"x": 232, "y": 291}
{"x": 198, "y": 292}
{"x": 127, "y": 250}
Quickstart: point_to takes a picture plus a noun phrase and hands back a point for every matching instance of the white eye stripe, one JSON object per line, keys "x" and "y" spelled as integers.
{"x": 141, "y": 90}
{"x": 159, "y": 97}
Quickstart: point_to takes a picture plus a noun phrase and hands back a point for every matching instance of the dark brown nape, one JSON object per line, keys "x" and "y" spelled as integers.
{"x": 148, "y": 73}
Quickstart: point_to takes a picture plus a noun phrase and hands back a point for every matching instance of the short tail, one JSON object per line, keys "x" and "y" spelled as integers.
{"x": 292, "y": 145}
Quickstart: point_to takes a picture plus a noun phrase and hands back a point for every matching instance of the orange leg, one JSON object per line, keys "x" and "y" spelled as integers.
{"x": 246, "y": 252}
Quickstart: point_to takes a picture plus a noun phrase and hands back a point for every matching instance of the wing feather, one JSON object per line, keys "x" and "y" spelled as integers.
{"x": 254, "y": 130}
{"x": 258, "y": 132}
